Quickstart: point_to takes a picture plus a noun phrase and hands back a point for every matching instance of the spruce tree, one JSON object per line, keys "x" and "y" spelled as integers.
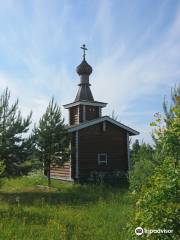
{"x": 52, "y": 138}
{"x": 14, "y": 145}
{"x": 169, "y": 108}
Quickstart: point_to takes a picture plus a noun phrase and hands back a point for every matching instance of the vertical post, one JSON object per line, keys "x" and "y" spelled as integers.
{"x": 77, "y": 155}
{"x": 99, "y": 111}
{"x": 70, "y": 161}
{"x": 49, "y": 174}
{"x": 78, "y": 113}
{"x": 128, "y": 152}
{"x": 69, "y": 117}
{"x": 104, "y": 126}
{"x": 84, "y": 113}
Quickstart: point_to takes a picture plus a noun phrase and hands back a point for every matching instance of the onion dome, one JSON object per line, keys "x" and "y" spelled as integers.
{"x": 84, "y": 68}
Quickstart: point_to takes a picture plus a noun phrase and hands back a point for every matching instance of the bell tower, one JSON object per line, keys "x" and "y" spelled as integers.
{"x": 84, "y": 108}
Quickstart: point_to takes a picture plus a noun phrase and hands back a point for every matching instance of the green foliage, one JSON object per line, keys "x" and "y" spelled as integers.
{"x": 140, "y": 174}
{"x": 135, "y": 149}
{"x": 157, "y": 204}
{"x": 14, "y": 146}
{"x": 143, "y": 166}
{"x": 31, "y": 210}
{"x": 115, "y": 178}
{"x": 141, "y": 152}
{"x": 169, "y": 110}
{"x": 168, "y": 136}
{"x": 2, "y": 167}
{"x": 52, "y": 138}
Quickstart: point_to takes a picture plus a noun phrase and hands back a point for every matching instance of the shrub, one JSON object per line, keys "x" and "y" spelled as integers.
{"x": 143, "y": 166}
{"x": 114, "y": 178}
{"x": 140, "y": 173}
{"x": 2, "y": 167}
{"x": 140, "y": 152}
{"x": 157, "y": 206}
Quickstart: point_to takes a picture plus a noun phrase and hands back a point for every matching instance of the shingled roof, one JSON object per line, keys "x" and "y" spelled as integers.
{"x": 84, "y": 93}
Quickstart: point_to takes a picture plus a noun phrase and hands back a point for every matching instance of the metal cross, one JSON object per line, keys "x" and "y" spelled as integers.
{"x": 84, "y": 50}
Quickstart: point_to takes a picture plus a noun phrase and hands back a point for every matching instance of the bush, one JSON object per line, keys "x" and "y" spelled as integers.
{"x": 114, "y": 178}
{"x": 157, "y": 206}
{"x": 143, "y": 166}
{"x": 139, "y": 175}
{"x": 2, "y": 167}
{"x": 25, "y": 168}
{"x": 140, "y": 152}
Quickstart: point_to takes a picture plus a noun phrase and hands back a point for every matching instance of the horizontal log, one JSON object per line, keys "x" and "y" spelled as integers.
{"x": 61, "y": 165}
{"x": 59, "y": 175}
{"x": 60, "y": 170}
{"x": 64, "y": 173}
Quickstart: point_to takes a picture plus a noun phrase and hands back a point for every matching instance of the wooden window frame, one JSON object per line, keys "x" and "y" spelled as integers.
{"x": 100, "y": 162}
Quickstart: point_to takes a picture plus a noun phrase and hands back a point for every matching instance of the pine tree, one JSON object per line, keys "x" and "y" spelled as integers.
{"x": 52, "y": 138}
{"x": 135, "y": 146}
{"x": 14, "y": 146}
{"x": 169, "y": 110}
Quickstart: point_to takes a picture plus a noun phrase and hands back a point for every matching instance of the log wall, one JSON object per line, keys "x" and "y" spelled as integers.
{"x": 93, "y": 140}
{"x": 61, "y": 171}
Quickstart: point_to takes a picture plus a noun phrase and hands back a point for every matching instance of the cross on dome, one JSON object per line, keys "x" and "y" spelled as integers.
{"x": 84, "y": 68}
{"x": 84, "y": 50}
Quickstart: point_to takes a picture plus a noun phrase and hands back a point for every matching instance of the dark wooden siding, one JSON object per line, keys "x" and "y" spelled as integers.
{"x": 76, "y": 114}
{"x": 73, "y": 155}
{"x": 92, "y": 112}
{"x": 93, "y": 140}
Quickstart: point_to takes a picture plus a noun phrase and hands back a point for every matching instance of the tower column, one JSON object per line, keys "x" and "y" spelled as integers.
{"x": 84, "y": 79}
{"x": 84, "y": 113}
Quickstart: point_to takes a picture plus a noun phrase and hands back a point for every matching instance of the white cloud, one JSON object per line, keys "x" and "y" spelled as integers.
{"x": 120, "y": 77}
{"x": 120, "y": 80}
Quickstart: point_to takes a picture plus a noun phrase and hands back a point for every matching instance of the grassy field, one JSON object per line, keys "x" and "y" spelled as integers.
{"x": 30, "y": 210}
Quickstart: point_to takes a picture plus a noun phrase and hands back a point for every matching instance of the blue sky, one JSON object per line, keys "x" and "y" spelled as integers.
{"x": 134, "y": 49}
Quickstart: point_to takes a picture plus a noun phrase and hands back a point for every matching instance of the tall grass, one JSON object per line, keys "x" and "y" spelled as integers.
{"x": 30, "y": 210}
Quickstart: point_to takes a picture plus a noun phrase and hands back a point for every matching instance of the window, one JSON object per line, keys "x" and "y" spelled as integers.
{"x": 102, "y": 158}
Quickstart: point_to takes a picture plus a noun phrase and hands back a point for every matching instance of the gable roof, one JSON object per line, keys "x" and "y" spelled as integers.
{"x": 99, "y": 120}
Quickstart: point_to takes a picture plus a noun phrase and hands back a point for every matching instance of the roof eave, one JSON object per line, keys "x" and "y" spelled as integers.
{"x": 131, "y": 131}
{"x": 95, "y": 103}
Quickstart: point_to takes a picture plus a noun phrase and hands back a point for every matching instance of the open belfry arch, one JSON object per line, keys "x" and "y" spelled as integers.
{"x": 98, "y": 143}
